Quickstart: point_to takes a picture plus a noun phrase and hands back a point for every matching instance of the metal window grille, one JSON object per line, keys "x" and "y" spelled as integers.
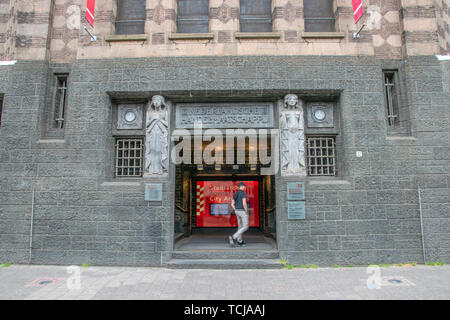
{"x": 130, "y": 17}
{"x": 1, "y": 109}
{"x": 129, "y": 157}
{"x": 321, "y": 156}
{"x": 391, "y": 99}
{"x": 319, "y": 15}
{"x": 60, "y": 100}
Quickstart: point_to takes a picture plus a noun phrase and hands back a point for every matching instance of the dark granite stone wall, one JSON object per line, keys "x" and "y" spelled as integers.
{"x": 368, "y": 213}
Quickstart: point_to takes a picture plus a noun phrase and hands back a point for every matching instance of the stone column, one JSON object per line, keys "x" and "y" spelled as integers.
{"x": 420, "y": 27}
{"x": 161, "y": 20}
{"x": 159, "y": 170}
{"x": 224, "y": 19}
{"x": 65, "y": 29}
{"x": 10, "y": 29}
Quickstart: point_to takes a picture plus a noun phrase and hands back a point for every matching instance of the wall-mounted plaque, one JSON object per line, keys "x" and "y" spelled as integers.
{"x": 225, "y": 115}
{"x": 320, "y": 115}
{"x": 153, "y": 192}
{"x": 296, "y": 210}
{"x": 129, "y": 116}
{"x": 296, "y": 191}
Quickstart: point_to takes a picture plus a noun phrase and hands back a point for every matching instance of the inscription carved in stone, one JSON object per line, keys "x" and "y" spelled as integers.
{"x": 225, "y": 115}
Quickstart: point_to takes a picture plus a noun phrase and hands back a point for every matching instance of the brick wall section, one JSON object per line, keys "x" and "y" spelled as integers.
{"x": 33, "y": 27}
{"x": 4, "y": 20}
{"x": 10, "y": 8}
{"x": 420, "y": 29}
{"x": 369, "y": 215}
{"x": 442, "y": 9}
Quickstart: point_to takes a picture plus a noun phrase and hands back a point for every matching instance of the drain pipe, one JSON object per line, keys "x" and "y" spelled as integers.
{"x": 31, "y": 227}
{"x": 421, "y": 225}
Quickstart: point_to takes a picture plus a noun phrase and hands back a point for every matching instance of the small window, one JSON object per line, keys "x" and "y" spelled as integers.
{"x": 319, "y": 15}
{"x": 390, "y": 90}
{"x": 130, "y": 17}
{"x": 1, "y": 109}
{"x": 129, "y": 155}
{"x": 193, "y": 16}
{"x": 256, "y": 16}
{"x": 321, "y": 156}
{"x": 60, "y": 100}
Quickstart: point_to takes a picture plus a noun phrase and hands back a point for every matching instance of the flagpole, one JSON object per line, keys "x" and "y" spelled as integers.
{"x": 357, "y": 13}
{"x": 356, "y": 34}
{"x": 93, "y": 38}
{"x": 90, "y": 17}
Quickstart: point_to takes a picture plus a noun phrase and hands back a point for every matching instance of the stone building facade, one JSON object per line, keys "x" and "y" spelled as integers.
{"x": 63, "y": 200}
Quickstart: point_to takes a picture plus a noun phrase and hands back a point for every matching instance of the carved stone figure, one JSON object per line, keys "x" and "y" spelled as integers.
{"x": 157, "y": 137}
{"x": 292, "y": 138}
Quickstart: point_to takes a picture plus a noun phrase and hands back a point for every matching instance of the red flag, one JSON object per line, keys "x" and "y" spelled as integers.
{"x": 90, "y": 12}
{"x": 357, "y": 9}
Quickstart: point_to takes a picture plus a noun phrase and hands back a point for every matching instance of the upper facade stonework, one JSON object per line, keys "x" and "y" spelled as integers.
{"x": 53, "y": 30}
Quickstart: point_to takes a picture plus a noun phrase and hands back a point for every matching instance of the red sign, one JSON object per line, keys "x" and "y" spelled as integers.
{"x": 214, "y": 203}
{"x": 357, "y": 9}
{"x": 90, "y": 12}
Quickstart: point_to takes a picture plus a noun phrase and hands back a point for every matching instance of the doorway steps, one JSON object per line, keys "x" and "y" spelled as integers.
{"x": 212, "y": 251}
{"x": 225, "y": 259}
{"x": 224, "y": 264}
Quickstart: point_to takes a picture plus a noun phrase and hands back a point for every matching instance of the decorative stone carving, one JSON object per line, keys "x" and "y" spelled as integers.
{"x": 157, "y": 137}
{"x": 292, "y": 137}
{"x": 159, "y": 14}
{"x": 129, "y": 116}
{"x": 288, "y": 12}
{"x": 224, "y": 13}
{"x": 11, "y": 30}
{"x": 320, "y": 115}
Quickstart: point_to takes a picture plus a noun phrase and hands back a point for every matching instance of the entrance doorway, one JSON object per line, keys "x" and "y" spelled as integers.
{"x": 203, "y": 217}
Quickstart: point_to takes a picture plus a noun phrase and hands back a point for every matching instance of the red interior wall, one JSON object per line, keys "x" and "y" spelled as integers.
{"x": 221, "y": 192}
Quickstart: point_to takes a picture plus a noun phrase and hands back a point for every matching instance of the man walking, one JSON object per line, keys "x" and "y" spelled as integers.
{"x": 239, "y": 204}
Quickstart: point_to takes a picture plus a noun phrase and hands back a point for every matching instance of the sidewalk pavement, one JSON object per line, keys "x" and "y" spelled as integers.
{"x": 64, "y": 282}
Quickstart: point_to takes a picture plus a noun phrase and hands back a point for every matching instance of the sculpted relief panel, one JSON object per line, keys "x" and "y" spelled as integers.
{"x": 157, "y": 138}
{"x": 292, "y": 137}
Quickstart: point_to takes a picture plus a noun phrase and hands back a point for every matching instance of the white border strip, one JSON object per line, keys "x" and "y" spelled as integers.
{"x": 89, "y": 11}
{"x": 8, "y": 63}
{"x": 357, "y": 9}
{"x": 442, "y": 58}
